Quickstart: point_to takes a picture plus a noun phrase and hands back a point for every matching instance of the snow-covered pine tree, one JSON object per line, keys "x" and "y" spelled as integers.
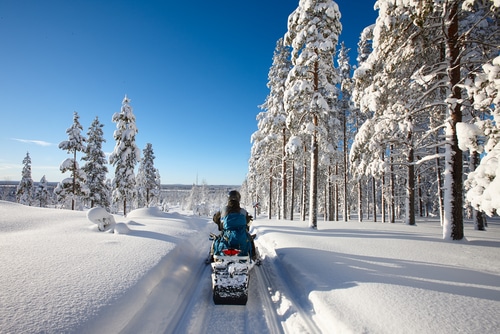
{"x": 95, "y": 166}
{"x": 264, "y": 165}
{"x": 482, "y": 30}
{"x": 271, "y": 137}
{"x": 361, "y": 80}
{"x": 252, "y": 185}
{"x": 439, "y": 38}
{"x": 345, "y": 113}
{"x": 156, "y": 191}
{"x": 74, "y": 144}
{"x": 62, "y": 192}
{"x": 387, "y": 87}
{"x": 147, "y": 175}
{"x": 479, "y": 28}
{"x": 24, "y": 191}
{"x": 125, "y": 155}
{"x": 470, "y": 38}
{"x": 42, "y": 192}
{"x": 453, "y": 227}
{"x": 200, "y": 202}
{"x": 358, "y": 117}
{"x": 313, "y": 30}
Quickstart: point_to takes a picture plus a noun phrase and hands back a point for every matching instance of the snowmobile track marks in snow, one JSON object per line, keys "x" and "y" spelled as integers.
{"x": 269, "y": 276}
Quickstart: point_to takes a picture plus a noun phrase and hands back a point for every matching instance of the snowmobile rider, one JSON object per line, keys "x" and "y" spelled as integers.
{"x": 224, "y": 220}
{"x": 233, "y": 206}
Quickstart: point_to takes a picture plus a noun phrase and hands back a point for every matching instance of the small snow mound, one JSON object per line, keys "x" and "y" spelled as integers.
{"x": 121, "y": 228}
{"x": 146, "y": 212}
{"x": 101, "y": 217}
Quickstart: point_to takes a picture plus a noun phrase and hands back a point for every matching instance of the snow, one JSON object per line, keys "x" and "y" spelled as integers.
{"x": 483, "y": 185}
{"x": 466, "y": 135}
{"x": 61, "y": 275}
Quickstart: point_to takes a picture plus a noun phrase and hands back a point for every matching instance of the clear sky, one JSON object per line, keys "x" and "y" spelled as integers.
{"x": 195, "y": 72}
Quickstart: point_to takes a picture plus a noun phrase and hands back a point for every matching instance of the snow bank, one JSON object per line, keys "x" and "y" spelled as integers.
{"x": 389, "y": 278}
{"x": 58, "y": 274}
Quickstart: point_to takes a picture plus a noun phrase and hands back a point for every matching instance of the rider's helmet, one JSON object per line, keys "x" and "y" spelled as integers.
{"x": 234, "y": 196}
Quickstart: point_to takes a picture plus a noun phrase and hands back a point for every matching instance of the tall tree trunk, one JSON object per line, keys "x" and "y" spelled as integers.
{"x": 478, "y": 216}
{"x": 336, "y": 192}
{"x": 410, "y": 211}
{"x": 392, "y": 187}
{"x": 283, "y": 176}
{"x": 330, "y": 194}
{"x": 74, "y": 181}
{"x": 331, "y": 197}
{"x": 382, "y": 191}
{"x": 345, "y": 164}
{"x": 439, "y": 188}
{"x": 270, "y": 202}
{"x": 368, "y": 192}
{"x": 292, "y": 185}
{"x": 420, "y": 196}
{"x": 374, "y": 195}
{"x": 325, "y": 200}
{"x": 313, "y": 186}
{"x": 304, "y": 192}
{"x": 453, "y": 215}
{"x": 360, "y": 201}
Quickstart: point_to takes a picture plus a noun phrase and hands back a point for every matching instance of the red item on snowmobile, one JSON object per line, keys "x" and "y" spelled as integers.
{"x": 231, "y": 252}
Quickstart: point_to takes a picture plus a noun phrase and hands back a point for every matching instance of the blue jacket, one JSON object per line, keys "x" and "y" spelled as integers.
{"x": 234, "y": 220}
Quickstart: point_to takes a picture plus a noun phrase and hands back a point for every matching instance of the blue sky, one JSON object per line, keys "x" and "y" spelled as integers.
{"x": 195, "y": 72}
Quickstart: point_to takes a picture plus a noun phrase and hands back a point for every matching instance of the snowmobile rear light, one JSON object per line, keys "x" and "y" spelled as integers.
{"x": 231, "y": 252}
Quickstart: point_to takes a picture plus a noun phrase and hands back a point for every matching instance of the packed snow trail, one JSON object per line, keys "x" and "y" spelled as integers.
{"x": 193, "y": 310}
{"x": 289, "y": 307}
{"x": 259, "y": 315}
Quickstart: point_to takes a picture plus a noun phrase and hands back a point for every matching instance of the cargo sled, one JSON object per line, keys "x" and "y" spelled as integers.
{"x": 230, "y": 277}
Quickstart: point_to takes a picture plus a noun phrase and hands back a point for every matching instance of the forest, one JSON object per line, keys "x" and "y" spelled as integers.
{"x": 410, "y": 130}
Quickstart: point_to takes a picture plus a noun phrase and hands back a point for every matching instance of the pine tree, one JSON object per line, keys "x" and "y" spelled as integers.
{"x": 345, "y": 110}
{"x": 313, "y": 30}
{"x": 156, "y": 191}
{"x": 269, "y": 141}
{"x": 399, "y": 108}
{"x": 95, "y": 166}
{"x": 412, "y": 82}
{"x": 147, "y": 177}
{"x": 42, "y": 192}
{"x": 74, "y": 144}
{"x": 125, "y": 155}
{"x": 24, "y": 192}
{"x": 481, "y": 86}
{"x": 469, "y": 34}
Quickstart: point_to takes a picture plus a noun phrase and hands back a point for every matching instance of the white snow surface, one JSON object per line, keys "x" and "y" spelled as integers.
{"x": 60, "y": 274}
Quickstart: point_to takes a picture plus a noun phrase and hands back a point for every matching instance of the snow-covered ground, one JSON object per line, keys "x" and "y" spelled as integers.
{"x": 59, "y": 274}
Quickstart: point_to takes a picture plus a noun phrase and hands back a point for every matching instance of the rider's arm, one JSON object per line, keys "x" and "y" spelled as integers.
{"x": 216, "y": 219}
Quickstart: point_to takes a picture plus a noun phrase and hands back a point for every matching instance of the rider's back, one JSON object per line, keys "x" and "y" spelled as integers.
{"x": 234, "y": 219}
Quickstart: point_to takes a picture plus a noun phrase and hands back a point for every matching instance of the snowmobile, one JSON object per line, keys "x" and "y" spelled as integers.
{"x": 230, "y": 274}
{"x": 230, "y": 277}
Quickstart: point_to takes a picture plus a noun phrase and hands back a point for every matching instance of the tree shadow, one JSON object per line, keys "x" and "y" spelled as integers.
{"x": 348, "y": 233}
{"x": 154, "y": 235}
{"x": 326, "y": 271}
{"x": 363, "y": 234}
